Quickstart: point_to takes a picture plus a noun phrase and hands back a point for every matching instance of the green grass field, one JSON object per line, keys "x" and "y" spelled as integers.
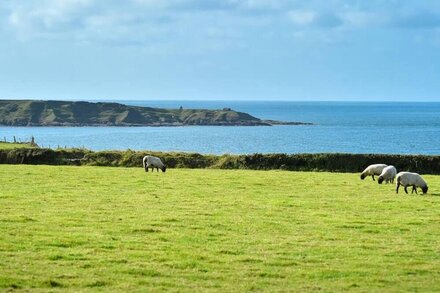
{"x": 11, "y": 145}
{"x": 121, "y": 229}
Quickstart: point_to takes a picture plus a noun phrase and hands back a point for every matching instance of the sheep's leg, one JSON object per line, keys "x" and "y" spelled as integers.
{"x": 146, "y": 167}
{"x": 415, "y": 189}
{"x": 397, "y": 189}
{"x": 373, "y": 177}
{"x": 406, "y": 191}
{"x": 157, "y": 169}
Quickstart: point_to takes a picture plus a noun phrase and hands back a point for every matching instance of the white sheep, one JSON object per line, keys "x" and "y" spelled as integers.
{"x": 372, "y": 170}
{"x": 153, "y": 162}
{"x": 388, "y": 174}
{"x": 411, "y": 179}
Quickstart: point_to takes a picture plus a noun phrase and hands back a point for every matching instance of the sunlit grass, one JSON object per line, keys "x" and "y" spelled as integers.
{"x": 12, "y": 145}
{"x": 86, "y": 228}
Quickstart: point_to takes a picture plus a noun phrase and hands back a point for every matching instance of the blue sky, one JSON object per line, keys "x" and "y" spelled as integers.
{"x": 211, "y": 49}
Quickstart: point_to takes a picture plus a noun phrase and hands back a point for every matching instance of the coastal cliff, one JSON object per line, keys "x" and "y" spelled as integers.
{"x": 68, "y": 113}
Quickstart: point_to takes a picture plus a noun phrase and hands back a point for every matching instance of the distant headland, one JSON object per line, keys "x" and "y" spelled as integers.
{"x": 68, "y": 113}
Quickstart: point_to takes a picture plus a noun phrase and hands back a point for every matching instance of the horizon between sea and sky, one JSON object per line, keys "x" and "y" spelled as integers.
{"x": 272, "y": 50}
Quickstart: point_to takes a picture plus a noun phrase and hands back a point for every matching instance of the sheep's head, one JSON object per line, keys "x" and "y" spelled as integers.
{"x": 425, "y": 189}
{"x": 363, "y": 176}
{"x": 164, "y": 168}
{"x": 380, "y": 180}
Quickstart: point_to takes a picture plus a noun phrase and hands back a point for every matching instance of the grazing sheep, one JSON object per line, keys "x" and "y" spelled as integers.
{"x": 411, "y": 179}
{"x": 372, "y": 170}
{"x": 388, "y": 174}
{"x": 153, "y": 162}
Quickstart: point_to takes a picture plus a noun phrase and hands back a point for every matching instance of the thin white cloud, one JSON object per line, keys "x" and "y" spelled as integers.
{"x": 302, "y": 17}
{"x": 35, "y": 19}
{"x": 140, "y": 22}
{"x": 356, "y": 19}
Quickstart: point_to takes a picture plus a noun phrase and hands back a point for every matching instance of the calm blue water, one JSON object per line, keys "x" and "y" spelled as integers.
{"x": 400, "y": 128}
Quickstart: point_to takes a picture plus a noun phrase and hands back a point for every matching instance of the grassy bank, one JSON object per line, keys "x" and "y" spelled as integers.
{"x": 11, "y": 145}
{"x": 294, "y": 162}
{"x": 120, "y": 229}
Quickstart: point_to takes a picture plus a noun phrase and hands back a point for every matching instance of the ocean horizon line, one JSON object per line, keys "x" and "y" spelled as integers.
{"x": 228, "y": 100}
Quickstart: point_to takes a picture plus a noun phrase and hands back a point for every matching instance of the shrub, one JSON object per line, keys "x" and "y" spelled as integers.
{"x": 332, "y": 162}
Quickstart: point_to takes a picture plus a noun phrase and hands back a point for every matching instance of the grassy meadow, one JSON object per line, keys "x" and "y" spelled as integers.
{"x": 12, "y": 145}
{"x": 121, "y": 229}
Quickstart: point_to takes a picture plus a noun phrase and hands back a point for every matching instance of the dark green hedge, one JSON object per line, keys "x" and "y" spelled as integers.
{"x": 298, "y": 162}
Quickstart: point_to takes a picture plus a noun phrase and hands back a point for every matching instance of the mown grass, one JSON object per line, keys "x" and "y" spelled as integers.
{"x": 121, "y": 229}
{"x": 11, "y": 145}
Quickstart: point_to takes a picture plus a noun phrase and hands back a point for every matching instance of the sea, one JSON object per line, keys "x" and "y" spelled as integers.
{"x": 339, "y": 127}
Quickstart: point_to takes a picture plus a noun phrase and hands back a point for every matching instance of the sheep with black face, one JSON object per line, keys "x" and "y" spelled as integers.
{"x": 372, "y": 170}
{"x": 153, "y": 162}
{"x": 411, "y": 179}
{"x": 388, "y": 174}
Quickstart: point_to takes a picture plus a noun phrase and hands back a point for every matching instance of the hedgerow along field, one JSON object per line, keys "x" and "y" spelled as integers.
{"x": 121, "y": 229}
